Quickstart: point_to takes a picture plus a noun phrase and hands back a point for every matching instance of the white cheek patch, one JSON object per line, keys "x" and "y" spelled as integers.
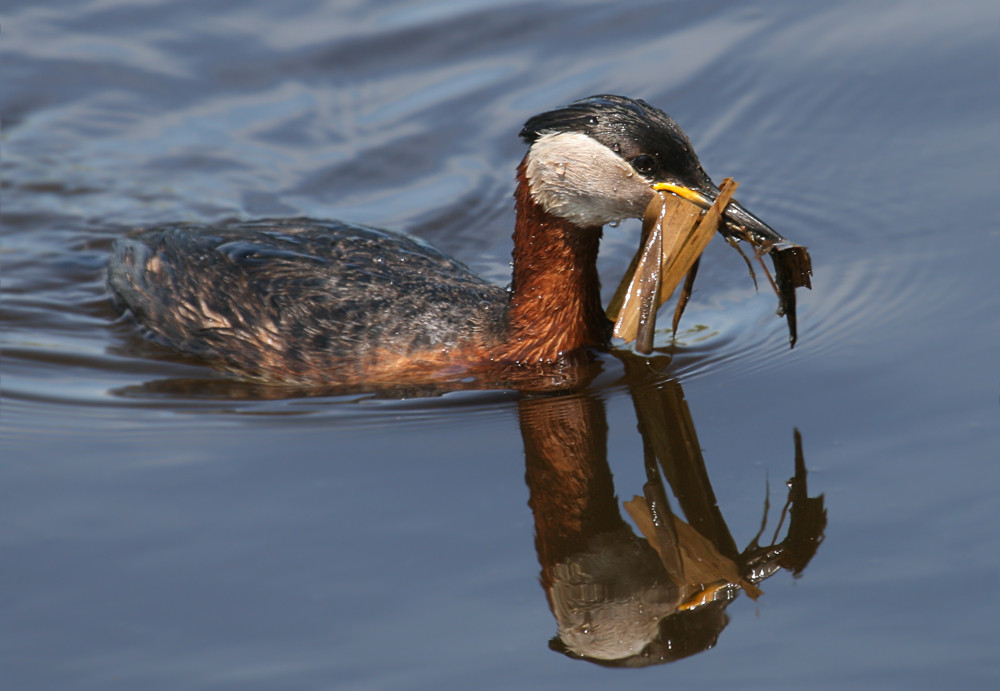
{"x": 577, "y": 178}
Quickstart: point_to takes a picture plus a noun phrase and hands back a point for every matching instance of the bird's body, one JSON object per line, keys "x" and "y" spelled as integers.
{"x": 334, "y": 304}
{"x": 302, "y": 300}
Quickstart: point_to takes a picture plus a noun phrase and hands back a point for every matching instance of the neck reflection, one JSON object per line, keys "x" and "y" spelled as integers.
{"x": 626, "y": 599}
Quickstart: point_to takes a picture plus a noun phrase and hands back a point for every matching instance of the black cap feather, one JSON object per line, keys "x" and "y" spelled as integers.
{"x": 630, "y": 128}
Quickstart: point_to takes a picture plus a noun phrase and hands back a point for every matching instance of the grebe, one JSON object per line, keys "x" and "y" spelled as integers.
{"x": 317, "y": 303}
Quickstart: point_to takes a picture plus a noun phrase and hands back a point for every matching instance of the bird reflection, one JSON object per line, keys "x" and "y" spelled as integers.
{"x": 622, "y": 599}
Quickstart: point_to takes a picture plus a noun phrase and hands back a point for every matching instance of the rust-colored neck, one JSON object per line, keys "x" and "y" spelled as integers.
{"x": 555, "y": 303}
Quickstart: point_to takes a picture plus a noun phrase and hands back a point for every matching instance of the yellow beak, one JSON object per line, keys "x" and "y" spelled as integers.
{"x": 684, "y": 193}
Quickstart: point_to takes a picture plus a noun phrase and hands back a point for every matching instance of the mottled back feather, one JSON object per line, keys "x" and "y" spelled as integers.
{"x": 293, "y": 296}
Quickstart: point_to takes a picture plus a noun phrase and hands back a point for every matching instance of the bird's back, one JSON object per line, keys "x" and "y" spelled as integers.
{"x": 298, "y": 299}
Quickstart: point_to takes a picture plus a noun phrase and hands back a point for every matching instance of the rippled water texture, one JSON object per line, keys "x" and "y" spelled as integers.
{"x": 161, "y": 527}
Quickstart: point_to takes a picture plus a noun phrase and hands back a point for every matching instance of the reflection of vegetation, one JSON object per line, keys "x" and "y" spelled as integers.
{"x": 624, "y": 600}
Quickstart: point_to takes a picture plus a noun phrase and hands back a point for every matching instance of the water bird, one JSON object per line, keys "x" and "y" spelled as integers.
{"x": 328, "y": 303}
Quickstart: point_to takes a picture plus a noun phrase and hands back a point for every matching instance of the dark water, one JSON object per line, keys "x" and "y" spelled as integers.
{"x": 157, "y": 534}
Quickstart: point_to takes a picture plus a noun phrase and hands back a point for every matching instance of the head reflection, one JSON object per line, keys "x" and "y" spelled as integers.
{"x": 626, "y": 599}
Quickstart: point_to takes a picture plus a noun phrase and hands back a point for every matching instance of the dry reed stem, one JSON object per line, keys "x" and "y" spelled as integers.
{"x": 673, "y": 240}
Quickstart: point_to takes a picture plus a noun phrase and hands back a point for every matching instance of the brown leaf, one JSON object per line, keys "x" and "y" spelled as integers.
{"x": 675, "y": 233}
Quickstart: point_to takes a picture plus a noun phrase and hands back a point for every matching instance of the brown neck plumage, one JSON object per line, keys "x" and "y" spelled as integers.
{"x": 555, "y": 303}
